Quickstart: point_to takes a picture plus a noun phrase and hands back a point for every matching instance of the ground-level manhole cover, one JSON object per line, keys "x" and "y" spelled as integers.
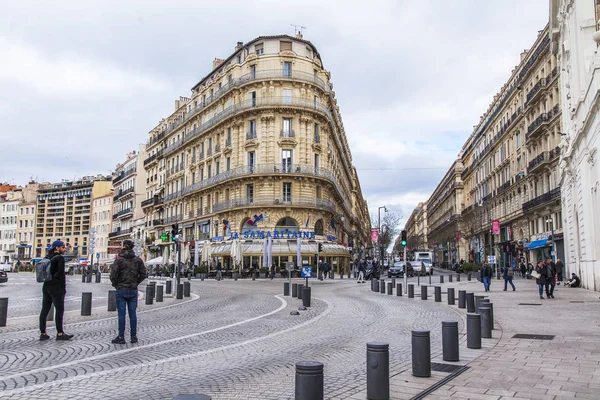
{"x": 529, "y": 304}
{"x": 533, "y": 336}
{"x": 440, "y": 367}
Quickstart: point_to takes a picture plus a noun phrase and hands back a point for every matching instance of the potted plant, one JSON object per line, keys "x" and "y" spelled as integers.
{"x": 263, "y": 271}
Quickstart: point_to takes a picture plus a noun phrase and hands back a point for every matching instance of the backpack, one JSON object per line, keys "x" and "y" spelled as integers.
{"x": 42, "y": 270}
{"x": 509, "y": 272}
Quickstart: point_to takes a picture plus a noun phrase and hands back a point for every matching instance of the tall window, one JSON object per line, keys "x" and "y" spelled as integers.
{"x": 227, "y": 163}
{"x": 318, "y": 195}
{"x": 209, "y": 170}
{"x": 252, "y": 98}
{"x": 287, "y": 69}
{"x": 253, "y": 71}
{"x": 251, "y": 129}
{"x": 317, "y": 137}
{"x": 286, "y": 127}
{"x": 286, "y": 160}
{"x": 250, "y": 193}
{"x": 251, "y": 161}
{"x": 228, "y": 136}
{"x": 217, "y": 168}
{"x": 287, "y": 192}
{"x": 316, "y": 162}
{"x": 258, "y": 48}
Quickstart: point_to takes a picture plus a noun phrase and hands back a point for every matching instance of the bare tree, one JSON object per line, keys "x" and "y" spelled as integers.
{"x": 390, "y": 226}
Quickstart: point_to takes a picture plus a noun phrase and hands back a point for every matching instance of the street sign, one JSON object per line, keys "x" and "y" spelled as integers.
{"x": 306, "y": 272}
{"x": 491, "y": 259}
{"x": 98, "y": 255}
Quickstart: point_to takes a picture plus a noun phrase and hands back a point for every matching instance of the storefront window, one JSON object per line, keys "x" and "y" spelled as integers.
{"x": 287, "y": 224}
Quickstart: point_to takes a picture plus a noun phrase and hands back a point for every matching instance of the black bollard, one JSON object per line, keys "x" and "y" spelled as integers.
{"x": 457, "y": 277}
{"x": 169, "y": 287}
{"x": 294, "y": 290}
{"x": 421, "y": 354}
{"x": 399, "y": 289}
{"x": 152, "y": 289}
{"x": 300, "y": 289}
{"x": 50, "y": 316}
{"x": 462, "y": 299}
{"x": 98, "y": 277}
{"x": 411, "y": 290}
{"x": 378, "y": 371}
{"x": 286, "y": 288}
{"x": 473, "y": 331}
{"x": 469, "y": 276}
{"x": 390, "y": 288}
{"x": 491, "y": 311}
{"x": 450, "y": 278}
{"x": 202, "y": 278}
{"x": 159, "y": 293}
{"x": 478, "y": 301}
{"x": 451, "y": 296}
{"x": 149, "y": 297}
{"x": 441, "y": 278}
{"x": 3, "y": 310}
{"x": 309, "y": 380}
{"x": 306, "y": 296}
{"x": 450, "y": 347}
{"x": 393, "y": 282}
{"x": 382, "y": 286}
{"x": 486, "y": 328}
{"x": 430, "y": 279}
{"x": 437, "y": 294}
{"x": 86, "y": 303}
{"x": 179, "y": 294}
{"x": 471, "y": 302}
{"x": 186, "y": 289}
{"x": 88, "y": 278}
{"x": 112, "y": 300}
{"x": 83, "y": 278}
{"x": 424, "y": 292}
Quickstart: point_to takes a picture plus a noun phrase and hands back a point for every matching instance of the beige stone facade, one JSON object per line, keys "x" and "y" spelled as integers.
{"x": 102, "y": 209}
{"x": 26, "y": 222}
{"x": 261, "y": 134}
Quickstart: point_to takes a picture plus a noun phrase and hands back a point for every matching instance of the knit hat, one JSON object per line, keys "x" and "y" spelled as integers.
{"x": 57, "y": 243}
{"x": 128, "y": 244}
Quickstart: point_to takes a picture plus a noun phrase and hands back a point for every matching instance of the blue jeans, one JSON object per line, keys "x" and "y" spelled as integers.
{"x": 486, "y": 282}
{"x": 509, "y": 280}
{"x": 127, "y": 297}
{"x": 541, "y": 288}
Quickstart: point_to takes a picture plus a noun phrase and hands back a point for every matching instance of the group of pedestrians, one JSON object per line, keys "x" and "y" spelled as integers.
{"x": 127, "y": 272}
{"x": 545, "y": 277}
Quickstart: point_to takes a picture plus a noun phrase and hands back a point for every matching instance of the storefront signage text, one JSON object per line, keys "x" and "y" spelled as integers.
{"x": 268, "y": 234}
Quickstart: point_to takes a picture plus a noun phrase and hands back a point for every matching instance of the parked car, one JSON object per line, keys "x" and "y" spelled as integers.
{"x": 6, "y": 267}
{"x": 3, "y": 277}
{"x": 397, "y": 270}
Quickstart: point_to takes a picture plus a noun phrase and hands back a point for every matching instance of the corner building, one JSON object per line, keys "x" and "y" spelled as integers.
{"x": 260, "y": 135}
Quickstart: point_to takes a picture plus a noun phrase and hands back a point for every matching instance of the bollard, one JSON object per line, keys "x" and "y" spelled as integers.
{"x": 300, "y": 289}
{"x": 421, "y": 354}
{"x": 112, "y": 300}
{"x": 378, "y": 371}
{"x": 50, "y": 315}
{"x": 424, "y": 292}
{"x": 450, "y": 347}
{"x": 473, "y": 331}
{"x": 382, "y": 286}
{"x": 411, "y": 290}
{"x": 294, "y": 290}
{"x": 390, "y": 288}
{"x": 470, "y": 302}
{"x": 86, "y": 303}
{"x": 152, "y": 289}
{"x": 169, "y": 287}
{"x": 159, "y": 293}
{"x": 487, "y": 301}
{"x": 82, "y": 277}
{"x": 306, "y": 296}
{"x": 438, "y": 294}
{"x": 309, "y": 380}
{"x": 98, "y": 277}
{"x": 450, "y": 278}
{"x": 486, "y": 329}
{"x": 430, "y": 279}
{"x": 393, "y": 282}
{"x": 179, "y": 294}
{"x": 186, "y": 289}
{"x": 478, "y": 301}
{"x": 469, "y": 276}
{"x": 88, "y": 278}
{"x": 149, "y": 297}
{"x": 462, "y": 299}
{"x": 286, "y": 288}
{"x": 457, "y": 277}
{"x": 451, "y": 296}
{"x": 202, "y": 278}
{"x": 441, "y": 278}
{"x": 3, "y": 310}
{"x": 399, "y": 289}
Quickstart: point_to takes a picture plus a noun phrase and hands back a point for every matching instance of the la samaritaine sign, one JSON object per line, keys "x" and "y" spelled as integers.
{"x": 255, "y": 234}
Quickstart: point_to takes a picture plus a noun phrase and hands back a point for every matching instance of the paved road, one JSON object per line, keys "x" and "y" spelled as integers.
{"x": 230, "y": 340}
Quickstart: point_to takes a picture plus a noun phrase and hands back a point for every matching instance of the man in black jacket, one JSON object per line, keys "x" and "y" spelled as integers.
{"x": 53, "y": 292}
{"x": 127, "y": 272}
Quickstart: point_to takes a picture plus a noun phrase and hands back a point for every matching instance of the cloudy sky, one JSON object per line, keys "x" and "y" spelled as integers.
{"x": 82, "y": 82}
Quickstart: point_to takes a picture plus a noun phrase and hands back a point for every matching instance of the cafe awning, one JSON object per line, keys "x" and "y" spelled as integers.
{"x": 537, "y": 244}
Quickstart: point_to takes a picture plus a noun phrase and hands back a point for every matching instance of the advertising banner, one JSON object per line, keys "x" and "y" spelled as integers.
{"x": 374, "y": 235}
{"x": 496, "y": 227}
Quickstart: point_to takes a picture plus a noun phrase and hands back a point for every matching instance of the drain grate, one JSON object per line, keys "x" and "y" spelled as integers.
{"x": 440, "y": 367}
{"x": 529, "y": 304}
{"x": 436, "y": 386}
{"x": 576, "y": 301}
{"x": 533, "y": 336}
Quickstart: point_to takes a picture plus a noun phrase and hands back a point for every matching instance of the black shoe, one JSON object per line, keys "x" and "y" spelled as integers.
{"x": 118, "y": 340}
{"x": 134, "y": 339}
{"x": 551, "y": 296}
{"x": 44, "y": 336}
{"x": 542, "y": 297}
{"x": 64, "y": 336}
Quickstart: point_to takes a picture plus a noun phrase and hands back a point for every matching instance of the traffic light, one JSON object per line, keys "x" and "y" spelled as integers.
{"x": 320, "y": 247}
{"x": 175, "y": 232}
{"x": 403, "y": 242}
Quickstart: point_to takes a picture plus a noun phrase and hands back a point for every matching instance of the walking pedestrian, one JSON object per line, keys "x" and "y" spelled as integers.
{"x": 219, "y": 271}
{"x": 508, "y": 277}
{"x": 523, "y": 269}
{"x": 540, "y": 277}
{"x": 53, "y": 292}
{"x": 127, "y": 272}
{"x": 486, "y": 276}
{"x": 550, "y": 278}
{"x": 559, "y": 270}
{"x": 361, "y": 272}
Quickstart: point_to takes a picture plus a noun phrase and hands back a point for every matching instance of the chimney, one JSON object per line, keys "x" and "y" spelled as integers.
{"x": 524, "y": 54}
{"x": 217, "y": 62}
{"x": 239, "y": 45}
{"x": 299, "y": 35}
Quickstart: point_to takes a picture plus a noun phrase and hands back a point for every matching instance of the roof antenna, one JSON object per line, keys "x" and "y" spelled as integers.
{"x": 297, "y": 32}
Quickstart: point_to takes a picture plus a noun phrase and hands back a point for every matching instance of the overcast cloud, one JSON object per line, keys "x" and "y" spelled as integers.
{"x": 82, "y": 83}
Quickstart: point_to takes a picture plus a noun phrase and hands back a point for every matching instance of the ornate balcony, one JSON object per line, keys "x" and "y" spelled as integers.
{"x": 266, "y": 201}
{"x": 119, "y": 232}
{"x": 150, "y": 159}
{"x": 123, "y": 213}
{"x": 545, "y": 198}
{"x": 250, "y": 135}
{"x": 535, "y": 125}
{"x": 123, "y": 193}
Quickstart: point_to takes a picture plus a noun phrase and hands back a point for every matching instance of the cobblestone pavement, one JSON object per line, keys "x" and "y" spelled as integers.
{"x": 231, "y": 340}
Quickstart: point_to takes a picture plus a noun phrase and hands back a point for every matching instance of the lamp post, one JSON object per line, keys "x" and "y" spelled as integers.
{"x": 553, "y": 250}
{"x": 379, "y": 236}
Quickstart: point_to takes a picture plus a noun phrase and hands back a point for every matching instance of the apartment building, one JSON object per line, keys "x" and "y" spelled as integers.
{"x": 102, "y": 209}
{"x": 26, "y": 222}
{"x": 9, "y": 211}
{"x": 63, "y": 211}
{"x": 258, "y": 149}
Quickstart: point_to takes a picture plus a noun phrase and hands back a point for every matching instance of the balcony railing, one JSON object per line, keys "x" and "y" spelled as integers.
{"x": 250, "y": 135}
{"x": 124, "y": 174}
{"x": 552, "y": 195}
{"x": 119, "y": 232}
{"x": 123, "y": 212}
{"x": 209, "y": 151}
{"x": 122, "y": 193}
{"x": 228, "y": 142}
{"x": 538, "y": 86}
{"x": 288, "y": 133}
{"x": 317, "y": 138}
{"x": 543, "y": 157}
{"x": 265, "y": 201}
{"x": 539, "y": 121}
{"x": 217, "y": 148}
{"x": 174, "y": 218}
{"x": 150, "y": 159}
{"x": 150, "y": 202}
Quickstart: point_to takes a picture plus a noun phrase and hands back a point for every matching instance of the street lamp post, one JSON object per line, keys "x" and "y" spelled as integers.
{"x": 553, "y": 250}
{"x": 379, "y": 236}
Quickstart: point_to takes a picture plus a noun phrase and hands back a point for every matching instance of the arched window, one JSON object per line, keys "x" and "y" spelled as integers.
{"x": 246, "y": 227}
{"x": 287, "y": 224}
{"x": 319, "y": 228}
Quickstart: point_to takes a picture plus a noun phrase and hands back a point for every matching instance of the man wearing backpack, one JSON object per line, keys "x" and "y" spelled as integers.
{"x": 508, "y": 278}
{"x": 54, "y": 290}
{"x": 126, "y": 274}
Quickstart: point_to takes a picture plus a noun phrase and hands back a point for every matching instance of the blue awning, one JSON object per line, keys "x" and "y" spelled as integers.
{"x": 536, "y": 244}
